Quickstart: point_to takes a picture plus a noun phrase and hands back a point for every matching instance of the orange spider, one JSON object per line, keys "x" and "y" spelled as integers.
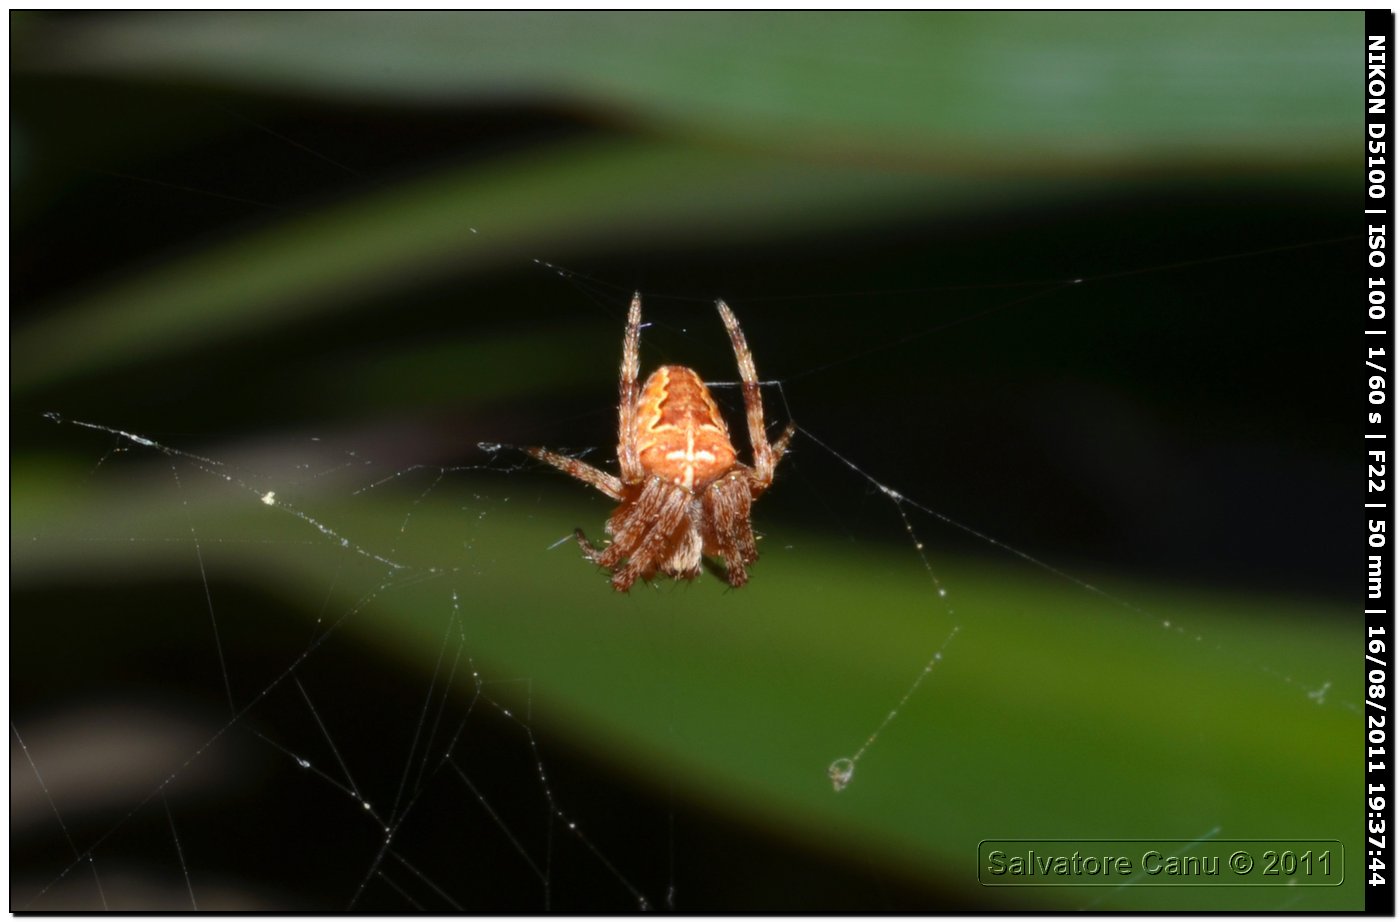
{"x": 682, "y": 493}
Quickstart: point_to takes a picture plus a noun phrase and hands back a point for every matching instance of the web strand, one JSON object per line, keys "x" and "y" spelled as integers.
{"x": 179, "y": 851}
{"x": 420, "y": 763}
{"x": 423, "y": 759}
{"x": 208, "y": 593}
{"x": 1317, "y": 694}
{"x": 78, "y": 856}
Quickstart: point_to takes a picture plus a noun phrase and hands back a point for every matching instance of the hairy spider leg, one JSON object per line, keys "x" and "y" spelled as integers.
{"x": 780, "y": 447}
{"x": 602, "y": 480}
{"x": 640, "y": 533}
{"x": 627, "y": 525}
{"x": 642, "y": 561}
{"x": 629, "y": 465}
{"x": 765, "y": 455}
{"x": 728, "y": 504}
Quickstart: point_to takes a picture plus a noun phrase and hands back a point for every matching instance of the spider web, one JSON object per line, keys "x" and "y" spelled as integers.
{"x": 274, "y": 684}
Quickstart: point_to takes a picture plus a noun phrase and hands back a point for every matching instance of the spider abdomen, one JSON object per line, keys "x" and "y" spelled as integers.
{"x": 681, "y": 436}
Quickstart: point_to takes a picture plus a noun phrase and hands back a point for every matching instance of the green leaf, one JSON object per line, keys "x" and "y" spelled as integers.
{"x": 999, "y": 90}
{"x": 780, "y": 124}
{"x": 1054, "y": 711}
{"x": 589, "y": 197}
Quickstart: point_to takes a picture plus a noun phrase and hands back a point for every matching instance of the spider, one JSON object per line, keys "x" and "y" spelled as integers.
{"x": 682, "y": 493}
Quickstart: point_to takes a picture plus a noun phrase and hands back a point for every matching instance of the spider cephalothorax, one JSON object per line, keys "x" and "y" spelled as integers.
{"x": 682, "y": 493}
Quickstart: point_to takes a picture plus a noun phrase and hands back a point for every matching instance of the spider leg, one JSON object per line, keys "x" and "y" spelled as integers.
{"x": 628, "y": 525}
{"x": 609, "y": 557}
{"x": 780, "y": 447}
{"x": 764, "y": 456}
{"x": 627, "y": 459}
{"x": 590, "y": 552}
{"x": 647, "y": 555}
{"x": 685, "y": 555}
{"x": 589, "y": 474}
{"x": 728, "y": 503}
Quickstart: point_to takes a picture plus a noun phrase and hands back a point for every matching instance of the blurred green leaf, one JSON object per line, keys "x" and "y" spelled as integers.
{"x": 1174, "y": 715}
{"x": 589, "y": 196}
{"x": 844, "y": 120}
{"x": 989, "y": 89}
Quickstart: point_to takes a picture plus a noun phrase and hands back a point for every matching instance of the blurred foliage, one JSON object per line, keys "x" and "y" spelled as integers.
{"x": 1055, "y": 89}
{"x": 402, "y": 302}
{"x": 1025, "y": 94}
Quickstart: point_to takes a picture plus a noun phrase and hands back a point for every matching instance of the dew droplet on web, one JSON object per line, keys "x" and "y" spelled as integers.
{"x": 303, "y": 763}
{"x": 269, "y": 498}
{"x": 840, "y": 773}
